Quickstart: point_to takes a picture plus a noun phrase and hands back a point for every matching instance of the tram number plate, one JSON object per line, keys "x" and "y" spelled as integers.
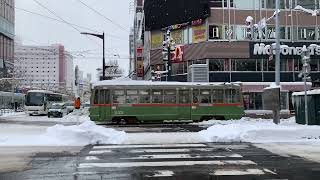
{"x": 118, "y": 112}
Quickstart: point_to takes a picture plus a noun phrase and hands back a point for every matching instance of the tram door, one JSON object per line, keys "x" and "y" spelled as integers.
{"x": 184, "y": 109}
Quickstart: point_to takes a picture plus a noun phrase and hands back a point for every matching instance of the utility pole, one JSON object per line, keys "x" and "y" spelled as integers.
{"x": 169, "y": 64}
{"x": 276, "y": 112}
{"x": 305, "y": 60}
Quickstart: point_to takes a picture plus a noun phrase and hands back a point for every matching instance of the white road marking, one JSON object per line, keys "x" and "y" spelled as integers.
{"x": 176, "y": 156}
{"x": 237, "y": 172}
{"x": 169, "y": 150}
{"x": 148, "y": 146}
{"x": 269, "y": 171}
{"x": 100, "y": 152}
{"x": 91, "y": 158}
{"x": 163, "y": 173}
{"x": 163, "y": 164}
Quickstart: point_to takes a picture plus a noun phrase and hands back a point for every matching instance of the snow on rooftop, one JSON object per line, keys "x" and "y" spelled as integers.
{"x": 281, "y": 83}
{"x": 126, "y": 82}
{"x": 312, "y": 92}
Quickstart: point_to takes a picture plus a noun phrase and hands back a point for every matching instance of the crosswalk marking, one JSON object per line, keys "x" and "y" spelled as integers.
{"x": 100, "y": 152}
{"x": 176, "y": 156}
{"x": 163, "y": 173}
{"x": 170, "y": 150}
{"x": 148, "y": 146}
{"x": 91, "y": 158}
{"x": 235, "y": 172}
{"x": 164, "y": 163}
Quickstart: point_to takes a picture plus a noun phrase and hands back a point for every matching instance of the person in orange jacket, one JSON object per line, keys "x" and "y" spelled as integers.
{"x": 77, "y": 103}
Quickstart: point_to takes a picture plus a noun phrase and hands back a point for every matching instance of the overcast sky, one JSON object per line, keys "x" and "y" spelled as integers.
{"x": 33, "y": 29}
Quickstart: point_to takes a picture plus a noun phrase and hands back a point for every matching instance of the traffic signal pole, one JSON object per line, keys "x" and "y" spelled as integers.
{"x": 169, "y": 63}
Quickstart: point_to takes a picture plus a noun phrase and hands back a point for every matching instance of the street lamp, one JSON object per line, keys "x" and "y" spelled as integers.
{"x": 101, "y": 36}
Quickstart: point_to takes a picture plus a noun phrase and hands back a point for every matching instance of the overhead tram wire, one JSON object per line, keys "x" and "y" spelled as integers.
{"x": 52, "y": 12}
{"x": 106, "y": 18}
{"x": 58, "y": 20}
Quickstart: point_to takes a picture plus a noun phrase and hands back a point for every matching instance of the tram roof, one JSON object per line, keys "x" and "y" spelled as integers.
{"x": 156, "y": 83}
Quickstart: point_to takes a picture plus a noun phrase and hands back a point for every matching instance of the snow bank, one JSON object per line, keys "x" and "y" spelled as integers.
{"x": 59, "y": 135}
{"x": 84, "y": 134}
{"x": 259, "y": 131}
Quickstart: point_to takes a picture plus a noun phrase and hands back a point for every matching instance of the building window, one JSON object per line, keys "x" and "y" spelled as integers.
{"x": 244, "y": 65}
{"x": 306, "y": 33}
{"x": 215, "y": 32}
{"x": 216, "y": 3}
{"x": 216, "y": 65}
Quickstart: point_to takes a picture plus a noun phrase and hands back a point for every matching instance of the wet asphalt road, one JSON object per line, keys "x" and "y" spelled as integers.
{"x": 207, "y": 161}
{"x": 214, "y": 161}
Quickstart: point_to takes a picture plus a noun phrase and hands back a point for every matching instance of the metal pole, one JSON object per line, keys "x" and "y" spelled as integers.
{"x": 103, "y": 59}
{"x": 169, "y": 57}
{"x": 276, "y": 116}
{"x": 305, "y": 99}
{"x": 277, "y": 64}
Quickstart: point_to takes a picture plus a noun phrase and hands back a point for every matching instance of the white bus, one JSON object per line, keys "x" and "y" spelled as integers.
{"x": 39, "y": 101}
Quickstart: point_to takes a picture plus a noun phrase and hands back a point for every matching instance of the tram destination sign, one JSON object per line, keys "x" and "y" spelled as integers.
{"x": 288, "y": 50}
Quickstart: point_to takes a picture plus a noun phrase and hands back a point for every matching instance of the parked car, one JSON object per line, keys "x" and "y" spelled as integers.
{"x": 57, "y": 110}
{"x": 70, "y": 106}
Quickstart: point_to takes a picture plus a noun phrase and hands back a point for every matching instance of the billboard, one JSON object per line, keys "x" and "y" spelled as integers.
{"x": 140, "y": 66}
{"x": 163, "y": 13}
{"x": 199, "y": 33}
{"x": 156, "y": 39}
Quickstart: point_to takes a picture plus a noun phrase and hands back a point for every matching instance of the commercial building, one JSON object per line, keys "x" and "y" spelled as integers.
{"x": 45, "y": 67}
{"x": 136, "y": 69}
{"x": 7, "y": 19}
{"x": 215, "y": 33}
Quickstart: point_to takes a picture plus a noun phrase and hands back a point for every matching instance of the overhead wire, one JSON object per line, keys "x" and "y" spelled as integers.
{"x": 55, "y": 14}
{"x": 104, "y": 17}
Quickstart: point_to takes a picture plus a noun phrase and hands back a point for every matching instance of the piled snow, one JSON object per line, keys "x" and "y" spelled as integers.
{"x": 259, "y": 131}
{"x": 10, "y": 114}
{"x": 59, "y": 135}
{"x": 84, "y": 134}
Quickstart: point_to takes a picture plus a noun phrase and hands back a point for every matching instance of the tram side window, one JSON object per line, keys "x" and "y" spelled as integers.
{"x": 232, "y": 96}
{"x": 184, "y": 96}
{"x": 195, "y": 96}
{"x": 118, "y": 97}
{"x": 144, "y": 96}
{"x": 170, "y": 96}
{"x": 132, "y": 97}
{"x": 104, "y": 97}
{"x": 205, "y": 96}
{"x": 157, "y": 96}
{"x": 217, "y": 96}
{"x": 96, "y": 97}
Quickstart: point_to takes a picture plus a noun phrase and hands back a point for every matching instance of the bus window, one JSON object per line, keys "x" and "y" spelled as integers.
{"x": 205, "y": 96}
{"x": 132, "y": 97}
{"x": 119, "y": 97}
{"x": 107, "y": 96}
{"x": 96, "y": 97}
{"x": 195, "y": 95}
{"x": 217, "y": 95}
{"x": 170, "y": 96}
{"x": 157, "y": 96}
{"x": 184, "y": 96}
{"x": 144, "y": 96}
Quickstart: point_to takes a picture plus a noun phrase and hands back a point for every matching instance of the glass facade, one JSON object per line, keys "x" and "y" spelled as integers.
{"x": 7, "y": 18}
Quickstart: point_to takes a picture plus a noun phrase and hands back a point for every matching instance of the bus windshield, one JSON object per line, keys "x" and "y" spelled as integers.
{"x": 35, "y": 99}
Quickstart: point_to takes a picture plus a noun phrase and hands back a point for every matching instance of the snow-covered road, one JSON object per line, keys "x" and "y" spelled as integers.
{"x": 259, "y": 131}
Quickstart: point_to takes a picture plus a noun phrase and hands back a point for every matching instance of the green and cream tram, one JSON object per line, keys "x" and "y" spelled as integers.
{"x": 157, "y": 102}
